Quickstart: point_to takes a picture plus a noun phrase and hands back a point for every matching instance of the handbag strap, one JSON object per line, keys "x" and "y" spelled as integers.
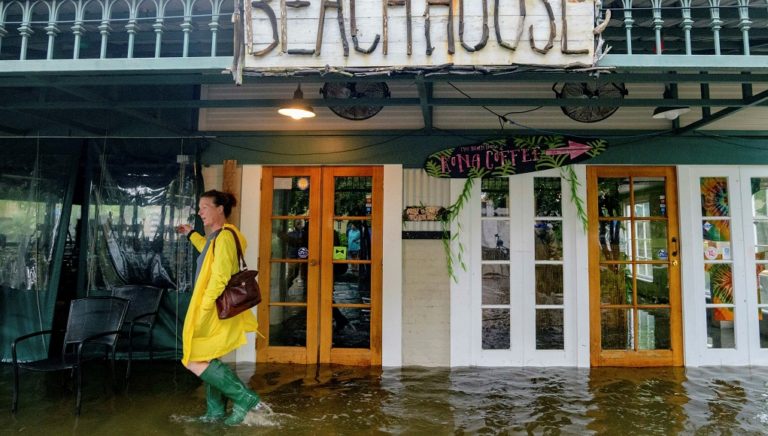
{"x": 240, "y": 257}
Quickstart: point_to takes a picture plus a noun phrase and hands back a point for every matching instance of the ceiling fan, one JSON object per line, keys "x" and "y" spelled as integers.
{"x": 355, "y": 90}
{"x": 592, "y": 91}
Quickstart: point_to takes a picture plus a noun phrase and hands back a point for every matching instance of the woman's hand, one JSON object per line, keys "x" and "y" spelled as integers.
{"x": 183, "y": 229}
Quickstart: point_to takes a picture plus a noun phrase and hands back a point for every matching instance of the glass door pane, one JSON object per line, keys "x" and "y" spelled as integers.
{"x": 635, "y": 267}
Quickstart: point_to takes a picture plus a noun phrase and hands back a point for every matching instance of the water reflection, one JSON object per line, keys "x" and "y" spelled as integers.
{"x": 349, "y": 400}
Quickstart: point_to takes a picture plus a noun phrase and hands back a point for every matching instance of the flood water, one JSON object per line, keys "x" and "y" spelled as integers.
{"x": 162, "y": 396}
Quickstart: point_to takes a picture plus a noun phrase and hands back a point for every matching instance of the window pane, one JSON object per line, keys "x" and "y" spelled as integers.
{"x": 496, "y": 329}
{"x": 290, "y": 239}
{"x": 616, "y": 329}
{"x": 762, "y": 320}
{"x": 761, "y": 234}
{"x": 762, "y": 283}
{"x": 549, "y": 284}
{"x": 548, "y": 196}
{"x": 288, "y": 326}
{"x": 656, "y": 289}
{"x": 650, "y": 240}
{"x": 615, "y": 284}
{"x": 650, "y": 196}
{"x": 613, "y": 196}
{"x": 613, "y": 240}
{"x": 720, "y": 332}
{"x": 290, "y": 195}
{"x": 549, "y": 329}
{"x": 495, "y": 244}
{"x": 495, "y": 196}
{"x": 759, "y": 196}
{"x": 288, "y": 282}
{"x": 353, "y": 196}
{"x": 351, "y": 283}
{"x": 548, "y": 240}
{"x": 718, "y": 283}
{"x": 351, "y": 328}
{"x": 714, "y": 196}
{"x": 495, "y": 284}
{"x": 653, "y": 329}
{"x": 351, "y": 240}
{"x": 717, "y": 237}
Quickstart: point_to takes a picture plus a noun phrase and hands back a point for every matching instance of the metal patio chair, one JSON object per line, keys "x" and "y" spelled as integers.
{"x": 142, "y": 314}
{"x": 93, "y": 325}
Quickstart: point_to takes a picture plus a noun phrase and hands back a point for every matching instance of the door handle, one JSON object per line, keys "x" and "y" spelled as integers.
{"x": 312, "y": 262}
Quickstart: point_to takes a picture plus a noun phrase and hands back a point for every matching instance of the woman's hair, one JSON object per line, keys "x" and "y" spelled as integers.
{"x": 224, "y": 199}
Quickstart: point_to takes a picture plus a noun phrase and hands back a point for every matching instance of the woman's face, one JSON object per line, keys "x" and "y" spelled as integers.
{"x": 211, "y": 214}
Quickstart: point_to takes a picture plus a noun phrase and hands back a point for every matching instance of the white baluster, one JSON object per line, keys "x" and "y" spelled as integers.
{"x": 104, "y": 29}
{"x": 78, "y": 30}
{"x": 658, "y": 23}
{"x": 628, "y": 22}
{"x": 3, "y": 32}
{"x": 131, "y": 28}
{"x": 25, "y": 30}
{"x": 158, "y": 27}
{"x": 51, "y": 30}
{"x": 716, "y": 23}
{"x": 686, "y": 24}
{"x": 186, "y": 27}
{"x": 744, "y": 24}
{"x": 214, "y": 26}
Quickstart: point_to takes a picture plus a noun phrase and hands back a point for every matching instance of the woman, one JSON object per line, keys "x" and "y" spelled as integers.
{"x": 206, "y": 337}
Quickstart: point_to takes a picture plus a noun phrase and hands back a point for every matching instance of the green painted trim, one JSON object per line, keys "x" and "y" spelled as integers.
{"x": 145, "y": 72}
{"x": 124, "y": 105}
{"x": 135, "y": 65}
{"x": 687, "y": 63}
{"x": 410, "y": 148}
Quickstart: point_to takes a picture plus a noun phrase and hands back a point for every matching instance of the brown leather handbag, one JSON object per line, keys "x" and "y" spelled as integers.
{"x": 242, "y": 292}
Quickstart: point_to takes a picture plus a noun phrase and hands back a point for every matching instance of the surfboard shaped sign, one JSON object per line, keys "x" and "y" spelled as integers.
{"x": 512, "y": 155}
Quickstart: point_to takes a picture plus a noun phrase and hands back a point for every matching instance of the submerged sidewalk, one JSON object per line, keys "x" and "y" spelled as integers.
{"x": 162, "y": 396}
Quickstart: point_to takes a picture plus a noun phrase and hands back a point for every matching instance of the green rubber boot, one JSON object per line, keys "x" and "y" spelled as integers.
{"x": 216, "y": 405}
{"x": 224, "y": 379}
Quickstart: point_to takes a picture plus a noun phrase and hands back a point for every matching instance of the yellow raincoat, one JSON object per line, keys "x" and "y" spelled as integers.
{"x": 205, "y": 336}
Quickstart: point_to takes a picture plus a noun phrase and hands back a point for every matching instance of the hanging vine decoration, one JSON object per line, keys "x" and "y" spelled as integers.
{"x": 450, "y": 215}
{"x": 570, "y": 176}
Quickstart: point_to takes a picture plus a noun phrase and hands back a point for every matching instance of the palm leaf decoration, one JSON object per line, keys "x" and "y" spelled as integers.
{"x": 505, "y": 169}
{"x": 435, "y": 170}
{"x": 598, "y": 146}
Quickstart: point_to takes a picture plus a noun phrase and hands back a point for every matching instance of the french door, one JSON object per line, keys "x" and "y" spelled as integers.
{"x": 320, "y": 265}
{"x": 634, "y": 265}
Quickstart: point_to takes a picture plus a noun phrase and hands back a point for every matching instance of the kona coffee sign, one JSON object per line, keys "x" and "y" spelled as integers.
{"x": 398, "y": 33}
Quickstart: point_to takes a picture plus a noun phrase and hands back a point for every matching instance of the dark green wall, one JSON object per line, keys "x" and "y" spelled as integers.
{"x": 412, "y": 148}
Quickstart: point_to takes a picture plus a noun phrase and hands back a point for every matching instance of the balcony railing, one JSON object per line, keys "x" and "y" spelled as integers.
{"x": 104, "y": 29}
{"x": 123, "y": 29}
{"x": 687, "y": 27}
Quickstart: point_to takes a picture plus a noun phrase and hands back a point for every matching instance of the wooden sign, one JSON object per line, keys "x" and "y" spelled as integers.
{"x": 288, "y": 34}
{"x": 514, "y": 155}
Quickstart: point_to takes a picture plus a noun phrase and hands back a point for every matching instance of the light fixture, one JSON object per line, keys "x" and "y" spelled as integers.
{"x": 298, "y": 108}
{"x": 669, "y": 112}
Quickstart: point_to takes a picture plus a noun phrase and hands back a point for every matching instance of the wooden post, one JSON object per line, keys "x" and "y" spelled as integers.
{"x": 231, "y": 184}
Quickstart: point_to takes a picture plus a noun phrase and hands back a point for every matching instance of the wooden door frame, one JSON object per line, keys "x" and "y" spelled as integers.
{"x": 287, "y": 354}
{"x": 321, "y": 220}
{"x": 352, "y": 356}
{"x": 673, "y": 356}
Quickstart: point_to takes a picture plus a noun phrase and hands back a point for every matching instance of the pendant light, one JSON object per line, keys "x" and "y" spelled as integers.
{"x": 298, "y": 108}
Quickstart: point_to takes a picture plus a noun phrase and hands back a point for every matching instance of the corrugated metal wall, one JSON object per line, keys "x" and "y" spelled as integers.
{"x": 421, "y": 189}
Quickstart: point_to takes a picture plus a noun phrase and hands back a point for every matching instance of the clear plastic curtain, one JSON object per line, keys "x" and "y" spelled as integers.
{"x": 136, "y": 202}
{"x": 33, "y": 184}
